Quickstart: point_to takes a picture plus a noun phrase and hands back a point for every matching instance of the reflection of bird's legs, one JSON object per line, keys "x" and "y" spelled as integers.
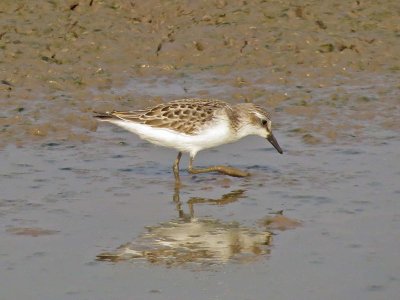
{"x": 220, "y": 169}
{"x": 175, "y": 168}
{"x": 225, "y": 199}
{"x": 177, "y": 201}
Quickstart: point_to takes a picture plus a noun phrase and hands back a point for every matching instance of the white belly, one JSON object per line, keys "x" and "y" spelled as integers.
{"x": 213, "y": 136}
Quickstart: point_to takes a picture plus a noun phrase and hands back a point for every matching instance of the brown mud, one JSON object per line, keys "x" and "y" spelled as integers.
{"x": 61, "y": 60}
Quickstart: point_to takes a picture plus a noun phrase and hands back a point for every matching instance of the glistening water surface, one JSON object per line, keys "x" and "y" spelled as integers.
{"x": 63, "y": 204}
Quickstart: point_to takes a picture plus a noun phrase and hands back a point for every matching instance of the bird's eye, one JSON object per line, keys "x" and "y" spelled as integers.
{"x": 264, "y": 122}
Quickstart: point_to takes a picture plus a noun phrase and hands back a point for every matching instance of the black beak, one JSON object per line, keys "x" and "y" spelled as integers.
{"x": 274, "y": 143}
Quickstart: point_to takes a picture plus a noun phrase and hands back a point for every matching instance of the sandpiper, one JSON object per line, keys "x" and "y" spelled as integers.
{"x": 191, "y": 125}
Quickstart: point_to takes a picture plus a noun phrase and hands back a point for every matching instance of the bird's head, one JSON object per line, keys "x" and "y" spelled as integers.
{"x": 259, "y": 123}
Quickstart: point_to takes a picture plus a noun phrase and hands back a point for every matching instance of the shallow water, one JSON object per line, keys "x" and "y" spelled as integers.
{"x": 62, "y": 205}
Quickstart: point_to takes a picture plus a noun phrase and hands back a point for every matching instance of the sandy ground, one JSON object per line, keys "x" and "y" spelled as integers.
{"x": 60, "y": 60}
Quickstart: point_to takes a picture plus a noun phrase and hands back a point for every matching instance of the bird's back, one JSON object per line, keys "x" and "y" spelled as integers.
{"x": 187, "y": 116}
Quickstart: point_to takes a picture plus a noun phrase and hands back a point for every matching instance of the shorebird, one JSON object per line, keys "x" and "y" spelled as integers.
{"x": 192, "y": 125}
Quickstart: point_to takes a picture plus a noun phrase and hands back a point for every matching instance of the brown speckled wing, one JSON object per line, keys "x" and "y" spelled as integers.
{"x": 185, "y": 115}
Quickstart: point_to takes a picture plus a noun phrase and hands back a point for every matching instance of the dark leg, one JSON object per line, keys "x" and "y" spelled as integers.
{"x": 221, "y": 169}
{"x": 175, "y": 168}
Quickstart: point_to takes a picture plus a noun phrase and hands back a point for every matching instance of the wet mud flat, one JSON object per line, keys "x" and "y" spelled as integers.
{"x": 103, "y": 219}
{"x": 91, "y": 211}
{"x": 61, "y": 60}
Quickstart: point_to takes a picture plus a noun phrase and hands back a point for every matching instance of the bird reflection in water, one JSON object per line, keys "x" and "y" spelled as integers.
{"x": 194, "y": 240}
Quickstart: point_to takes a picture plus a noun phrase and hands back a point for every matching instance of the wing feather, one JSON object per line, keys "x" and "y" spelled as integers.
{"x": 185, "y": 115}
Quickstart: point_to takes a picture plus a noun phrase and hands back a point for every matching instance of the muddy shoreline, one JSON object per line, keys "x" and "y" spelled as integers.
{"x": 59, "y": 61}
